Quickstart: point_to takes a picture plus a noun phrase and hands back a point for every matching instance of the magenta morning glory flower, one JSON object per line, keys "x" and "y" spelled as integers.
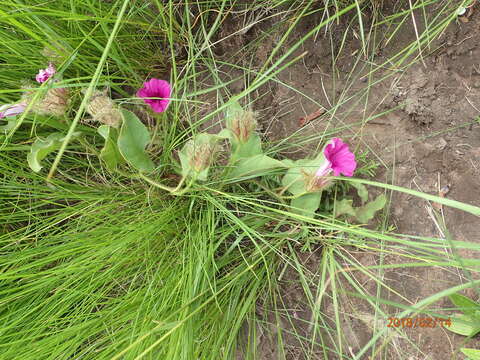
{"x": 156, "y": 93}
{"x": 45, "y": 74}
{"x": 11, "y": 110}
{"x": 338, "y": 158}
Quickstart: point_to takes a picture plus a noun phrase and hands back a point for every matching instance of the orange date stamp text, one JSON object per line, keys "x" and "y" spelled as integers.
{"x": 419, "y": 322}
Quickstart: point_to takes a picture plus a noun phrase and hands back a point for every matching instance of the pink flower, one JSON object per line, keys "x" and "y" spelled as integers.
{"x": 11, "y": 110}
{"x": 338, "y": 158}
{"x": 156, "y": 93}
{"x": 45, "y": 74}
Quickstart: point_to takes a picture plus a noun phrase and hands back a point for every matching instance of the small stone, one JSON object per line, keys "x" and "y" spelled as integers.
{"x": 441, "y": 144}
{"x": 398, "y": 212}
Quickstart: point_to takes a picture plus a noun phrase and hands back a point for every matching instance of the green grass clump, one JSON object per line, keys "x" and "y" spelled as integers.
{"x": 96, "y": 265}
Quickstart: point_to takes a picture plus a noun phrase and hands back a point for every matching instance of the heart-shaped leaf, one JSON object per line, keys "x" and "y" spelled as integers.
{"x": 110, "y": 153}
{"x": 307, "y": 204}
{"x": 133, "y": 139}
{"x": 42, "y": 147}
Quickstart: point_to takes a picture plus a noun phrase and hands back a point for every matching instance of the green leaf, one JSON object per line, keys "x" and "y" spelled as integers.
{"x": 367, "y": 212}
{"x": 362, "y": 214}
{"x": 294, "y": 180}
{"x": 361, "y": 191}
{"x": 248, "y": 149}
{"x": 344, "y": 207}
{"x": 288, "y": 163}
{"x": 185, "y": 162}
{"x": 258, "y": 165}
{"x": 307, "y": 204}
{"x": 472, "y": 354}
{"x": 225, "y": 134}
{"x": 11, "y": 123}
{"x": 468, "y": 306}
{"x": 110, "y": 153}
{"x": 233, "y": 109}
{"x": 133, "y": 139}
{"x": 41, "y": 148}
{"x": 464, "y": 325}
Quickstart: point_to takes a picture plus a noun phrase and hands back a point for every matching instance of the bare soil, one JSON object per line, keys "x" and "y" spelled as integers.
{"x": 423, "y": 128}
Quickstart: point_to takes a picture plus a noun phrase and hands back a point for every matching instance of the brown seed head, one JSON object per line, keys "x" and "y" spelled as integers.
{"x": 242, "y": 125}
{"x": 55, "y": 102}
{"x": 104, "y": 110}
{"x": 201, "y": 155}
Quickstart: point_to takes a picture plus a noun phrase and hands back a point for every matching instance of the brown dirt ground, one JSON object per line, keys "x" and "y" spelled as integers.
{"x": 426, "y": 135}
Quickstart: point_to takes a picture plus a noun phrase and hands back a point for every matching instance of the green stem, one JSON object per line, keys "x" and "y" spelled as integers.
{"x": 156, "y": 184}
{"x": 272, "y": 193}
{"x": 185, "y": 189}
{"x": 174, "y": 191}
{"x": 179, "y": 184}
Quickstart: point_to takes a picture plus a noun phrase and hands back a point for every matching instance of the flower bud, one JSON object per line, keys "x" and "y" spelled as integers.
{"x": 10, "y": 110}
{"x": 200, "y": 155}
{"x": 197, "y": 156}
{"x": 53, "y": 101}
{"x": 242, "y": 124}
{"x": 315, "y": 183}
{"x": 104, "y": 110}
